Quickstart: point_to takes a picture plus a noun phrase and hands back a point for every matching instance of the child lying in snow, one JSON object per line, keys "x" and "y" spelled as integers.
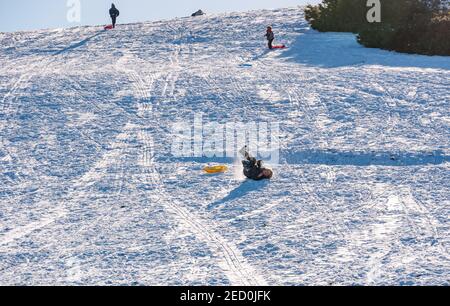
{"x": 253, "y": 168}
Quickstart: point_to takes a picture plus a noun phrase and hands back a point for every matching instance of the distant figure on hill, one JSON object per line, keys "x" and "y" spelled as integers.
{"x": 114, "y": 13}
{"x": 270, "y": 36}
{"x": 198, "y": 13}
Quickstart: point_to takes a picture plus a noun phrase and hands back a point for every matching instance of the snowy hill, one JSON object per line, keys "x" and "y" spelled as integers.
{"x": 91, "y": 194}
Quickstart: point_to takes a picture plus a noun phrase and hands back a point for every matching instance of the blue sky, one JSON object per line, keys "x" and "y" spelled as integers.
{"x": 16, "y": 15}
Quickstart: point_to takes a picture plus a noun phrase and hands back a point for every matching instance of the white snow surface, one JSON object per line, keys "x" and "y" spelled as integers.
{"x": 91, "y": 195}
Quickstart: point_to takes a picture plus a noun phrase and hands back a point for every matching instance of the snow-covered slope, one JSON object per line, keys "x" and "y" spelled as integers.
{"x": 90, "y": 193}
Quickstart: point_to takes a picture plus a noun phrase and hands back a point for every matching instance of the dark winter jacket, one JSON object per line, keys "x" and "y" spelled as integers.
{"x": 253, "y": 169}
{"x": 113, "y": 12}
{"x": 270, "y": 35}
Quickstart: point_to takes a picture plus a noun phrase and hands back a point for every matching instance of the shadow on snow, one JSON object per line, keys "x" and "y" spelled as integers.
{"x": 79, "y": 44}
{"x": 333, "y": 50}
{"x": 242, "y": 190}
{"x": 364, "y": 159}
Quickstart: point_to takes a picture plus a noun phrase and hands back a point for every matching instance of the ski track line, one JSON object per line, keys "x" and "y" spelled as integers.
{"x": 166, "y": 84}
{"x": 87, "y": 179}
{"x": 382, "y": 236}
{"x": 295, "y": 100}
{"x": 407, "y": 205}
{"x": 31, "y": 227}
{"x": 16, "y": 85}
{"x": 119, "y": 174}
{"x": 7, "y": 102}
{"x": 173, "y": 74}
{"x": 55, "y": 245}
{"x": 259, "y": 211}
{"x": 41, "y": 67}
{"x": 341, "y": 229}
{"x": 411, "y": 205}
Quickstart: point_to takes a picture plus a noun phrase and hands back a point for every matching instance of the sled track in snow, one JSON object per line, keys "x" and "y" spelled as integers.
{"x": 427, "y": 225}
{"x": 89, "y": 178}
{"x": 11, "y": 106}
{"x": 75, "y": 195}
{"x": 79, "y": 183}
{"x": 8, "y": 102}
{"x": 420, "y": 228}
{"x": 71, "y": 206}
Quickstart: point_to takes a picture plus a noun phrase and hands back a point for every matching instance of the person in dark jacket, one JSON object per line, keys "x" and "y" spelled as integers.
{"x": 253, "y": 169}
{"x": 114, "y": 13}
{"x": 270, "y": 36}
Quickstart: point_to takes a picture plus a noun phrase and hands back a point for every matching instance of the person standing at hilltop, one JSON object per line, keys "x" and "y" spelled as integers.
{"x": 114, "y": 13}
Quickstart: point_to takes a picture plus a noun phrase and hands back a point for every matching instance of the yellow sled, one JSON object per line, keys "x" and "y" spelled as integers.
{"x": 215, "y": 169}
